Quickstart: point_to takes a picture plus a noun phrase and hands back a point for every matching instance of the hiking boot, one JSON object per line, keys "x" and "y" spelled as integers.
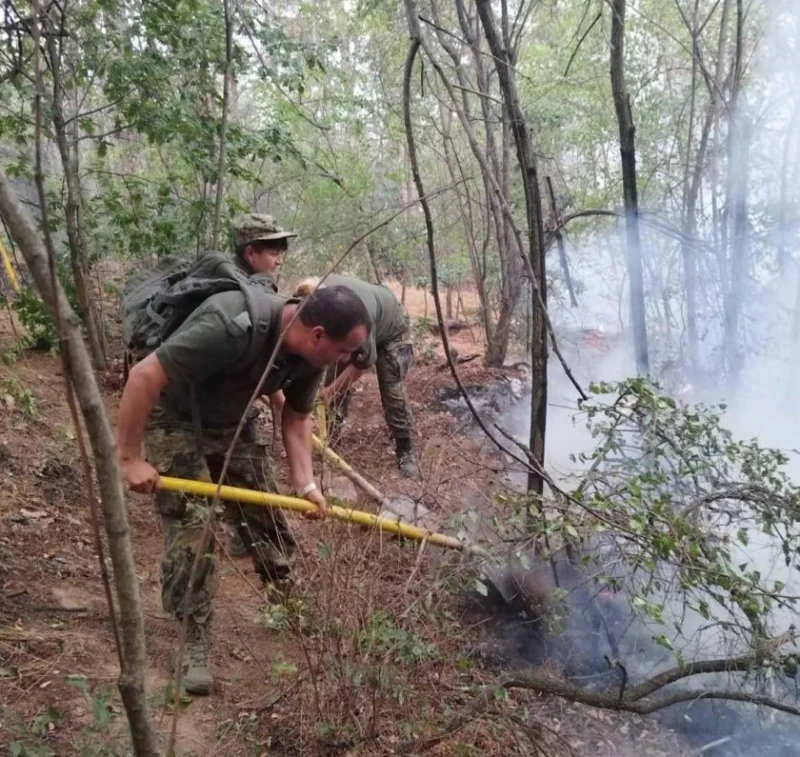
{"x": 406, "y": 461}
{"x": 234, "y": 545}
{"x": 271, "y": 563}
{"x": 197, "y": 678}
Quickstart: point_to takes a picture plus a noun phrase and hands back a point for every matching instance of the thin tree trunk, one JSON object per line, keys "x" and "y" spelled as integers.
{"x": 718, "y": 212}
{"x": 562, "y": 252}
{"x": 784, "y": 227}
{"x": 223, "y": 126}
{"x": 465, "y": 206}
{"x": 740, "y": 243}
{"x": 459, "y": 303}
{"x": 74, "y": 219}
{"x": 494, "y": 173}
{"x": 112, "y": 497}
{"x": 627, "y": 147}
{"x": 533, "y": 209}
{"x": 449, "y": 301}
{"x": 691, "y": 189}
{"x": 372, "y": 259}
{"x": 735, "y": 222}
{"x": 501, "y": 335}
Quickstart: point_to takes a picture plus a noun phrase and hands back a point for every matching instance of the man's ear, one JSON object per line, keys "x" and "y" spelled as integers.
{"x": 317, "y": 332}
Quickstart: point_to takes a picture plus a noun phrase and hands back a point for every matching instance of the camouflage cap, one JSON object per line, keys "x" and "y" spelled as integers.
{"x": 256, "y": 227}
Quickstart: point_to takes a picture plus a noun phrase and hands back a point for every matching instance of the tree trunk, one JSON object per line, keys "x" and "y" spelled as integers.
{"x": 784, "y": 226}
{"x": 735, "y": 221}
{"x": 223, "y": 126}
{"x": 740, "y": 244}
{"x": 627, "y": 148}
{"x": 449, "y": 301}
{"x": 131, "y": 680}
{"x": 533, "y": 210}
{"x": 688, "y": 245}
{"x": 466, "y": 208}
{"x": 562, "y": 252}
{"x": 688, "y": 249}
{"x": 494, "y": 173}
{"x": 498, "y": 344}
{"x": 74, "y": 217}
{"x": 372, "y": 259}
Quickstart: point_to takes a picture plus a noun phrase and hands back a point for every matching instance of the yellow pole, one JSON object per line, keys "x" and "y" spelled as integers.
{"x": 322, "y": 419}
{"x": 11, "y": 273}
{"x": 266, "y": 499}
{"x": 359, "y": 480}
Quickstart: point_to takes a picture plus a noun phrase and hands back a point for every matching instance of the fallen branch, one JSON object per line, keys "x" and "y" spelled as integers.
{"x": 461, "y": 360}
{"x": 641, "y": 706}
{"x": 638, "y": 698}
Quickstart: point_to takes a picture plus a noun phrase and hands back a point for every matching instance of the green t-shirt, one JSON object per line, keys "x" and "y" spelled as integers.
{"x": 209, "y": 351}
{"x": 389, "y": 320}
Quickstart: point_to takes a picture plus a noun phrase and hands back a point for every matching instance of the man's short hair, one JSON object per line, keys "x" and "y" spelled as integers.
{"x": 337, "y": 309}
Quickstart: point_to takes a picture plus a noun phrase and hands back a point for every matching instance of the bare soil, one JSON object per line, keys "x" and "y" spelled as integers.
{"x": 366, "y": 656}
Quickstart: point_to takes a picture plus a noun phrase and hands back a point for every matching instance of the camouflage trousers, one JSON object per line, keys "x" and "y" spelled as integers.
{"x": 394, "y": 363}
{"x": 174, "y": 451}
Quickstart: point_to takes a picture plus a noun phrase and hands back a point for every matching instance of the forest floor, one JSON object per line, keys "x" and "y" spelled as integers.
{"x": 368, "y": 656}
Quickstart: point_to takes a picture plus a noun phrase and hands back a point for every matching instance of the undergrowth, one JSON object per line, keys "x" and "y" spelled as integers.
{"x": 377, "y": 630}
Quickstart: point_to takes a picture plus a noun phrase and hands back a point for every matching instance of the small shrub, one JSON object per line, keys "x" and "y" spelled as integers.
{"x": 36, "y": 320}
{"x": 20, "y": 395}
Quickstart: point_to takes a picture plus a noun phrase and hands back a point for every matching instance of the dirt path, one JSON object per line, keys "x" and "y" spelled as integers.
{"x": 370, "y": 633}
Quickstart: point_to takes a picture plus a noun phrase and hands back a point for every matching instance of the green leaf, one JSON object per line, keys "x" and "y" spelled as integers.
{"x": 324, "y": 550}
{"x": 742, "y": 535}
{"x": 280, "y": 669}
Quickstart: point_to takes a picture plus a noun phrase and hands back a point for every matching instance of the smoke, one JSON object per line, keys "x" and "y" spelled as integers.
{"x": 762, "y": 404}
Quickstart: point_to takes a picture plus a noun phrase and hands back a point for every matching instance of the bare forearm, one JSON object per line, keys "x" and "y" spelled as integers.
{"x": 144, "y": 386}
{"x": 297, "y": 429}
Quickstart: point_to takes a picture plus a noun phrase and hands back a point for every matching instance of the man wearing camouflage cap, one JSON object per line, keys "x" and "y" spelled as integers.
{"x": 260, "y": 245}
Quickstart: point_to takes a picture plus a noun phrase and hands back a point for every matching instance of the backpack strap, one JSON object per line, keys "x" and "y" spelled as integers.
{"x": 260, "y": 306}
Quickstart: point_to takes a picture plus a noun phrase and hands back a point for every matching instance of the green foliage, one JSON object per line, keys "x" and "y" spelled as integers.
{"x": 36, "y": 319}
{"x": 20, "y": 395}
{"x": 674, "y": 497}
{"x": 282, "y": 669}
{"x": 381, "y": 632}
{"x": 97, "y": 739}
{"x": 32, "y": 739}
{"x": 285, "y": 615}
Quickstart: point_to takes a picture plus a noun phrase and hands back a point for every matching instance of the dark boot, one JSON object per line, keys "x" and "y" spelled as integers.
{"x": 406, "y": 461}
{"x": 197, "y": 678}
{"x": 235, "y": 546}
{"x": 271, "y": 563}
